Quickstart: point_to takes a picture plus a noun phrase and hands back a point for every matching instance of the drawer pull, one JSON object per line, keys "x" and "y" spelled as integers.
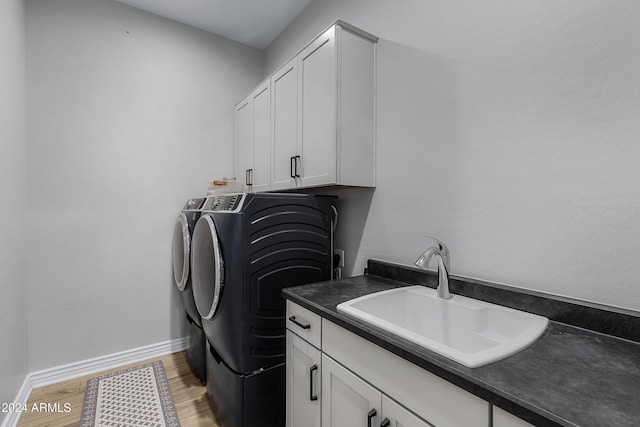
{"x": 372, "y": 413}
{"x": 312, "y": 396}
{"x": 302, "y": 325}
{"x": 385, "y": 423}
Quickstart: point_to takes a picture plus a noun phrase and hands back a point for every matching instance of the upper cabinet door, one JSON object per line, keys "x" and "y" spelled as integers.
{"x": 261, "y": 172}
{"x": 356, "y": 111}
{"x": 253, "y": 139}
{"x": 318, "y": 98}
{"x": 244, "y": 141}
{"x": 284, "y": 136}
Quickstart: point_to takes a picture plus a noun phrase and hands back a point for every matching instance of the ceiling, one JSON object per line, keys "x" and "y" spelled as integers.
{"x": 252, "y": 22}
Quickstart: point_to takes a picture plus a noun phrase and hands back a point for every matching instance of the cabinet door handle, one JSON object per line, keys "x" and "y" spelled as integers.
{"x": 302, "y": 325}
{"x": 248, "y": 177}
{"x": 312, "y": 396}
{"x": 292, "y": 162}
{"x": 297, "y": 160}
{"x": 372, "y": 413}
{"x": 385, "y": 423}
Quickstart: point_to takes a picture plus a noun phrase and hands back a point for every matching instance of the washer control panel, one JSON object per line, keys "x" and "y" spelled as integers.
{"x": 194, "y": 204}
{"x": 228, "y": 202}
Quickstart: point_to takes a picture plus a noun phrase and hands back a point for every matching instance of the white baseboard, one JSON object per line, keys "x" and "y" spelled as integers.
{"x": 102, "y": 363}
{"x": 89, "y": 366}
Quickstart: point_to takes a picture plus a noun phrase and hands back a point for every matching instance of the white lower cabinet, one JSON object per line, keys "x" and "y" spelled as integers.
{"x": 394, "y": 415}
{"x": 348, "y": 381}
{"x": 429, "y": 397}
{"x": 505, "y": 419}
{"x": 303, "y": 383}
{"x": 347, "y": 401}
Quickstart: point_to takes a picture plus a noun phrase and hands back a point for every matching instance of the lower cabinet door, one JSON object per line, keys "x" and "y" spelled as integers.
{"x": 347, "y": 401}
{"x": 504, "y": 419}
{"x": 303, "y": 383}
{"x": 394, "y": 415}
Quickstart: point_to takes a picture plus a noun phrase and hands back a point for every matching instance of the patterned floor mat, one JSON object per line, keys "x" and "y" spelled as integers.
{"x": 138, "y": 396}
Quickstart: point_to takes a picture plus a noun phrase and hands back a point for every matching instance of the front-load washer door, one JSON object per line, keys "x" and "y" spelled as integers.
{"x": 180, "y": 252}
{"x": 207, "y": 267}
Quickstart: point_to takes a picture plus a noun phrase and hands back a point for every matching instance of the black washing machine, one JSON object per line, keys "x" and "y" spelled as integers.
{"x": 245, "y": 249}
{"x": 181, "y": 263}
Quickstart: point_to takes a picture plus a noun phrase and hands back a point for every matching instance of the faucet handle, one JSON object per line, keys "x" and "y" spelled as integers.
{"x": 444, "y": 249}
{"x": 441, "y": 245}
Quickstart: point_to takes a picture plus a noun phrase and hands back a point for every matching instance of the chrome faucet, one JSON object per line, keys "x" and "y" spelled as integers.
{"x": 441, "y": 253}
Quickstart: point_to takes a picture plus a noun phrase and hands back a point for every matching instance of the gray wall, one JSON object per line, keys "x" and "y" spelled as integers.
{"x": 13, "y": 278}
{"x": 129, "y": 114}
{"x": 508, "y": 129}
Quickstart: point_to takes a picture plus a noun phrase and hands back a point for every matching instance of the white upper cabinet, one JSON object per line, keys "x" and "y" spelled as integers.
{"x": 244, "y": 139}
{"x": 318, "y": 100}
{"x": 323, "y": 114}
{"x": 261, "y": 172}
{"x": 253, "y": 139}
{"x": 284, "y": 137}
{"x": 337, "y": 97}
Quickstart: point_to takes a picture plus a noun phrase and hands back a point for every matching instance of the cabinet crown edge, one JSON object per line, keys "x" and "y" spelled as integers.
{"x": 338, "y": 23}
{"x": 352, "y": 28}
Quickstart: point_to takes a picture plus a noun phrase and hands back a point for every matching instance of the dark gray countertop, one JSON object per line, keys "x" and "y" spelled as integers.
{"x": 569, "y": 377}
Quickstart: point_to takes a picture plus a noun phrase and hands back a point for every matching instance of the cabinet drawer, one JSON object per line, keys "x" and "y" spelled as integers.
{"x": 304, "y": 323}
{"x": 427, "y": 395}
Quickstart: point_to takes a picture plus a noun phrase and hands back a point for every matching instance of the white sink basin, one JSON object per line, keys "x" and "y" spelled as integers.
{"x": 471, "y": 332}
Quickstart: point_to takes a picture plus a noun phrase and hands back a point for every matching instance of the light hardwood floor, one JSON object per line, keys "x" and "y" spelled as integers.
{"x": 189, "y": 396}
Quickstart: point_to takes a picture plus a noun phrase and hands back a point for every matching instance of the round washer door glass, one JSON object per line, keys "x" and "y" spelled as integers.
{"x": 207, "y": 267}
{"x": 180, "y": 252}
